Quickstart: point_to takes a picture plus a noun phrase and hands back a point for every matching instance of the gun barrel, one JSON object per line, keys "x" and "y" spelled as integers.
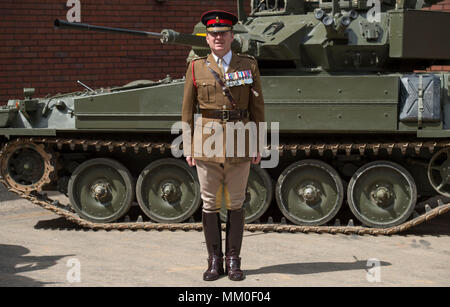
{"x": 175, "y": 38}
{"x": 166, "y": 36}
{"x": 61, "y": 24}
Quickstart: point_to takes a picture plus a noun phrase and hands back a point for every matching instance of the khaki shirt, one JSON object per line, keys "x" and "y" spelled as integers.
{"x": 208, "y": 94}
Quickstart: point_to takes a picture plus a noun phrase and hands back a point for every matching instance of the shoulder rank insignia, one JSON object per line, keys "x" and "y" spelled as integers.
{"x": 238, "y": 78}
{"x": 196, "y": 58}
{"x": 246, "y": 56}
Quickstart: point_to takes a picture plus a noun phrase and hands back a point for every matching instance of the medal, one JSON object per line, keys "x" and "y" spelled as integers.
{"x": 238, "y": 78}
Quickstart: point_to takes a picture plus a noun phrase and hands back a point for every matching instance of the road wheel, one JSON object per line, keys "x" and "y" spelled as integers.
{"x": 168, "y": 191}
{"x": 309, "y": 192}
{"x": 439, "y": 172}
{"x": 382, "y": 194}
{"x": 101, "y": 190}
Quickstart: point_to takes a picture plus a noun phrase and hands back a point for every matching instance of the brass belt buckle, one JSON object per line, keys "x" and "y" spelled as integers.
{"x": 225, "y": 115}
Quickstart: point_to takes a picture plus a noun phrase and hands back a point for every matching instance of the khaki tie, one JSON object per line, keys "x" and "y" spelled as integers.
{"x": 220, "y": 64}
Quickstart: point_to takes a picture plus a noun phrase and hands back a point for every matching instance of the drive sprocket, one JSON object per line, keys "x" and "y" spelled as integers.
{"x": 26, "y": 166}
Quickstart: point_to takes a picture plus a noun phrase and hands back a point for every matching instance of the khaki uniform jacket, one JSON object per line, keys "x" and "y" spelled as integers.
{"x": 208, "y": 94}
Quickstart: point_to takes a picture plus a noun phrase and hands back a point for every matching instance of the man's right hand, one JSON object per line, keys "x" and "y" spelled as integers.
{"x": 190, "y": 161}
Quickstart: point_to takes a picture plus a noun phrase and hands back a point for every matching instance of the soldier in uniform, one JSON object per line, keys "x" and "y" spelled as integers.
{"x": 223, "y": 87}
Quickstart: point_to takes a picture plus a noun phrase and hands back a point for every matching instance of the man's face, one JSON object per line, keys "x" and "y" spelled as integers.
{"x": 220, "y": 42}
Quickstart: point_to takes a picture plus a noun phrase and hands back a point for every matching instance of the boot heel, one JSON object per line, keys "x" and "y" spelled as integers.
{"x": 234, "y": 231}
{"x": 215, "y": 268}
{"x": 233, "y": 268}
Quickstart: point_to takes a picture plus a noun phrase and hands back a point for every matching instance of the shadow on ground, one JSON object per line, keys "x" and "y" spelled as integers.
{"x": 314, "y": 267}
{"x": 5, "y": 195}
{"x": 439, "y": 226}
{"x": 14, "y": 260}
{"x": 57, "y": 224}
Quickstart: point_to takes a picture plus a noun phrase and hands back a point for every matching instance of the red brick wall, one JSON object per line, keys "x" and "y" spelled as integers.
{"x": 441, "y": 6}
{"x": 34, "y": 54}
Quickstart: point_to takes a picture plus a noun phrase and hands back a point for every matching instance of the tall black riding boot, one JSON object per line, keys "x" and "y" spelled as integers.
{"x": 213, "y": 237}
{"x": 235, "y": 231}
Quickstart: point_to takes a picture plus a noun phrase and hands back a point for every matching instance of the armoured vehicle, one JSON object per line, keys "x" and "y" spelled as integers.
{"x": 363, "y": 143}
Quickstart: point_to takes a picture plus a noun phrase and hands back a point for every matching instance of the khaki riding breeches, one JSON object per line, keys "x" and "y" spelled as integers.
{"x": 219, "y": 181}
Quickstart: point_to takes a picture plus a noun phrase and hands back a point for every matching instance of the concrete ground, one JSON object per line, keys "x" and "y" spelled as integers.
{"x": 37, "y": 248}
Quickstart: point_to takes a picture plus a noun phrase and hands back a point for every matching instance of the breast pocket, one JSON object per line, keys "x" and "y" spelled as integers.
{"x": 206, "y": 91}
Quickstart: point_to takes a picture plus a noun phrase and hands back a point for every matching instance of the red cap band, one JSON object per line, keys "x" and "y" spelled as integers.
{"x": 214, "y": 21}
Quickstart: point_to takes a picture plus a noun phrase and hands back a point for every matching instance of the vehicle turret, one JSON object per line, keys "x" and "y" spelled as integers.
{"x": 329, "y": 36}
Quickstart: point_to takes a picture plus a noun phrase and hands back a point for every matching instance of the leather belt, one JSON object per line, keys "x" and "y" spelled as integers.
{"x": 224, "y": 115}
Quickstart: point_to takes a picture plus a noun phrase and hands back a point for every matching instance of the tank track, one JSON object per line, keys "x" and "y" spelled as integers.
{"x": 42, "y": 200}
